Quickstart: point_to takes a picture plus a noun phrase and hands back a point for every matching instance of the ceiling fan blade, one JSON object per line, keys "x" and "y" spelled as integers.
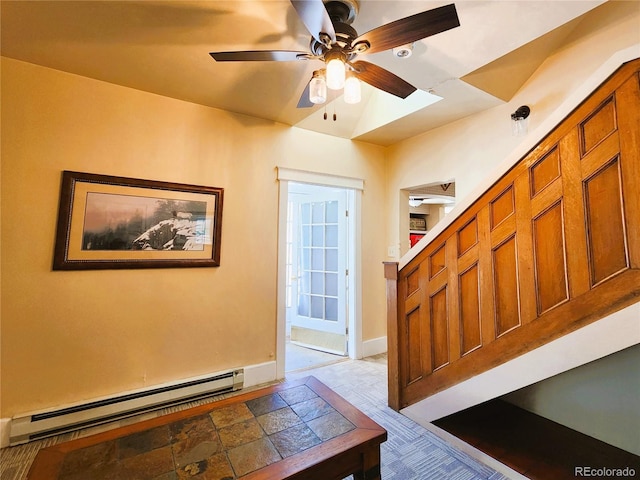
{"x": 315, "y": 17}
{"x": 259, "y": 56}
{"x": 410, "y": 29}
{"x": 304, "y": 101}
{"x": 383, "y": 79}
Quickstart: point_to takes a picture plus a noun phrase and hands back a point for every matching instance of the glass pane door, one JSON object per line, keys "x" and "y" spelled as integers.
{"x": 320, "y": 243}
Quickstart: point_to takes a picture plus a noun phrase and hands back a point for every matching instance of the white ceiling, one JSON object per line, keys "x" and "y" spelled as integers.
{"x": 163, "y": 47}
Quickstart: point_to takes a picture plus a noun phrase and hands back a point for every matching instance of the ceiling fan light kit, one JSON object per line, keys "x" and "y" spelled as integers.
{"x": 318, "y": 88}
{"x": 336, "y": 71}
{"x": 337, "y": 44}
{"x": 352, "y": 90}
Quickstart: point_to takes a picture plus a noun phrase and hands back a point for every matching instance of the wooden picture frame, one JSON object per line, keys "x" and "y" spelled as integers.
{"x": 107, "y": 222}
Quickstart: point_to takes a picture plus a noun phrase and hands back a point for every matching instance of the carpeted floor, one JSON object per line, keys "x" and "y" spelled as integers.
{"x": 410, "y": 453}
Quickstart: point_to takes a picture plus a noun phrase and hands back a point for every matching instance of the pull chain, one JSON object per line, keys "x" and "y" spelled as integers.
{"x": 335, "y": 117}
{"x": 325, "y": 116}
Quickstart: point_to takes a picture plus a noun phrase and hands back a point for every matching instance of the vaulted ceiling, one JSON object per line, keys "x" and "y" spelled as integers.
{"x": 163, "y": 47}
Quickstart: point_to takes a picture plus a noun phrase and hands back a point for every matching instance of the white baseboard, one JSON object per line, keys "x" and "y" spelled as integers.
{"x": 4, "y": 432}
{"x": 374, "y": 346}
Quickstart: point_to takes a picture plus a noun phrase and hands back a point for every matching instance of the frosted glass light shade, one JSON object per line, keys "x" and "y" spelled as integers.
{"x": 519, "y": 126}
{"x": 318, "y": 90}
{"x": 352, "y": 93}
{"x": 520, "y": 121}
{"x": 335, "y": 74}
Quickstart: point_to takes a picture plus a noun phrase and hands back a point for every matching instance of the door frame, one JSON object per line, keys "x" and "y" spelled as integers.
{"x": 354, "y": 309}
{"x": 305, "y": 193}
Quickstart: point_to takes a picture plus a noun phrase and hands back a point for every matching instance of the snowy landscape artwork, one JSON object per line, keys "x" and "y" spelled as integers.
{"x": 124, "y": 222}
{"x": 107, "y": 222}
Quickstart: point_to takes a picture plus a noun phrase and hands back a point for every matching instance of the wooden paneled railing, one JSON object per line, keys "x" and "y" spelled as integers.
{"x": 552, "y": 246}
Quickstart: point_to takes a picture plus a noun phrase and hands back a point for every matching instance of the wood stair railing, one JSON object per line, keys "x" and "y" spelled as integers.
{"x": 552, "y": 246}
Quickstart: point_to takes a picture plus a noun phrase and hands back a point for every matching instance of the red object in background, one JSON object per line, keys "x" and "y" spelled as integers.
{"x": 415, "y": 238}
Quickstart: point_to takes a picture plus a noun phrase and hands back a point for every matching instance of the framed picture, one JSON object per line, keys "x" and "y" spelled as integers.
{"x": 107, "y": 222}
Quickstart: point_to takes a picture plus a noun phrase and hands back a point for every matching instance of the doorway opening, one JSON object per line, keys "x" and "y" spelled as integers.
{"x": 317, "y": 275}
{"x": 319, "y": 301}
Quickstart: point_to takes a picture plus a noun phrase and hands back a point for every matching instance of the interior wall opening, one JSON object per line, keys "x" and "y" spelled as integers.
{"x": 422, "y": 207}
{"x": 319, "y": 267}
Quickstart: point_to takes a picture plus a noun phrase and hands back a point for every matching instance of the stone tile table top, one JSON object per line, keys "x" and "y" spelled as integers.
{"x": 292, "y": 430}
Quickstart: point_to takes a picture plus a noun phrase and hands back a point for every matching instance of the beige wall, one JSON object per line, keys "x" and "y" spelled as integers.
{"x": 72, "y": 336}
{"x": 468, "y": 150}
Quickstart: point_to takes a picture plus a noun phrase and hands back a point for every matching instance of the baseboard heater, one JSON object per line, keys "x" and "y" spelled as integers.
{"x": 40, "y": 425}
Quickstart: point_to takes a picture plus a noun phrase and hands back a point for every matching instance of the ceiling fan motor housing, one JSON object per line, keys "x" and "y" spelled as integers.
{"x": 342, "y": 14}
{"x": 345, "y": 34}
{"x": 343, "y": 11}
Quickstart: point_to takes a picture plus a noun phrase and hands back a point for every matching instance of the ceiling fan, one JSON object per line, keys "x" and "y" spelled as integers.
{"x": 337, "y": 44}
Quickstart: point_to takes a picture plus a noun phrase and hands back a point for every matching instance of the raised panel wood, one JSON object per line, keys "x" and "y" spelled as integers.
{"x": 469, "y": 288}
{"x": 546, "y": 197}
{"x": 603, "y": 153}
{"x": 628, "y": 96}
{"x": 453, "y": 298}
{"x": 505, "y": 275}
{"x": 469, "y": 258}
{"x": 544, "y": 171}
{"x": 549, "y": 254}
{"x": 414, "y": 347}
{"x": 551, "y": 247}
{"x": 502, "y": 207}
{"x": 504, "y": 230}
{"x": 467, "y": 236}
{"x": 437, "y": 262}
{"x": 413, "y": 282}
{"x": 575, "y": 225}
{"x": 619, "y": 292}
{"x": 524, "y": 246}
{"x": 485, "y": 274}
{"x": 598, "y": 125}
{"x": 439, "y": 329}
{"x": 605, "y": 223}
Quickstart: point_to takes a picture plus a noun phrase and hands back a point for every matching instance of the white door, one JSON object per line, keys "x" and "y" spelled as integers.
{"x": 318, "y": 258}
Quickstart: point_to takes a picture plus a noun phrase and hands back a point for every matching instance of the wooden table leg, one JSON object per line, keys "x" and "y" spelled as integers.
{"x": 370, "y": 465}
